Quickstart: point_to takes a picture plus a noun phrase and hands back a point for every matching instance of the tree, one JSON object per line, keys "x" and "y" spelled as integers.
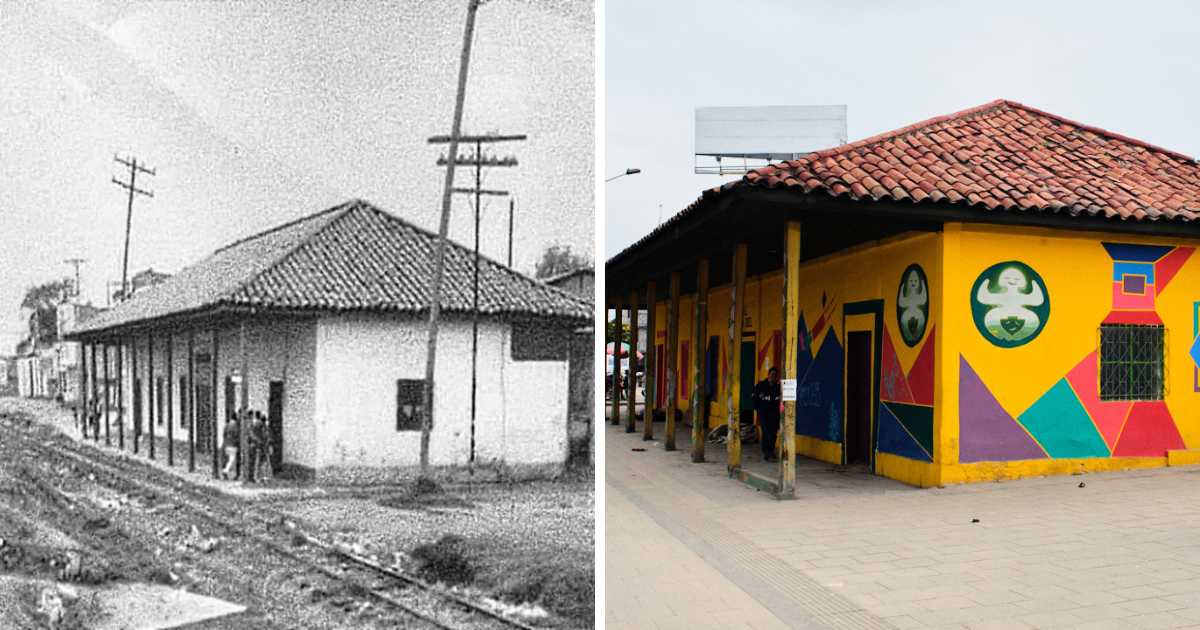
{"x": 43, "y": 300}
{"x": 626, "y": 334}
{"x": 558, "y": 259}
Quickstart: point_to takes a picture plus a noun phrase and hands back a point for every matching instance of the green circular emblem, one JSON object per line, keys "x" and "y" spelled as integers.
{"x": 1010, "y": 304}
{"x": 912, "y": 304}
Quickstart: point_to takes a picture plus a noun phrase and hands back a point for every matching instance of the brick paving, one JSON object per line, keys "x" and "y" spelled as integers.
{"x": 686, "y": 547}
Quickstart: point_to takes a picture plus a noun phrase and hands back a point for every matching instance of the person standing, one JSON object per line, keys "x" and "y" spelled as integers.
{"x": 233, "y": 434}
{"x": 259, "y": 455}
{"x": 768, "y": 396}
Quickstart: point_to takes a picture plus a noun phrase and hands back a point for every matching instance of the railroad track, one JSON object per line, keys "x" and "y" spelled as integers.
{"x": 279, "y": 533}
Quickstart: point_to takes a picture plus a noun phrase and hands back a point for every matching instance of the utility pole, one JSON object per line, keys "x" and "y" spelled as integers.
{"x": 439, "y": 265}
{"x": 134, "y": 169}
{"x": 511, "y": 202}
{"x": 76, "y": 262}
{"x": 478, "y": 160}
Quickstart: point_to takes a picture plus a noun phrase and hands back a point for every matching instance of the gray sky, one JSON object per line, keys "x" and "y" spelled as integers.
{"x": 255, "y": 113}
{"x": 1128, "y": 68}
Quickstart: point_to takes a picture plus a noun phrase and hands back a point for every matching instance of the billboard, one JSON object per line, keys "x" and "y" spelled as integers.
{"x": 737, "y": 139}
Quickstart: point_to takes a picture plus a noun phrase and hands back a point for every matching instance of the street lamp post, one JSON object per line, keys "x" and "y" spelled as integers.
{"x": 628, "y": 171}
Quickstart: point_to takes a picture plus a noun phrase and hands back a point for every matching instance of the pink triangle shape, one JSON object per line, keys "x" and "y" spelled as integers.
{"x": 893, "y": 384}
{"x": 1109, "y": 416}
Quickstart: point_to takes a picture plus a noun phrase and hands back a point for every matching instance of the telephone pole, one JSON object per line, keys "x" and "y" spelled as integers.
{"x": 134, "y": 169}
{"x": 439, "y": 265}
{"x": 478, "y": 160}
{"x": 76, "y": 262}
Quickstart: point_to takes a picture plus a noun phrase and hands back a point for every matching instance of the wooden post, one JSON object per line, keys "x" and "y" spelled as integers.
{"x": 616, "y": 375}
{"x": 121, "y": 394}
{"x": 791, "y": 327}
{"x": 151, "y": 390}
{"x": 651, "y": 404}
{"x": 699, "y": 406}
{"x": 82, "y": 415}
{"x": 133, "y": 397}
{"x": 243, "y": 428}
{"x": 216, "y": 453}
{"x": 631, "y": 388}
{"x": 92, "y": 394}
{"x": 672, "y": 361}
{"x": 107, "y": 432}
{"x": 733, "y": 385}
{"x": 191, "y": 399}
{"x": 170, "y": 401}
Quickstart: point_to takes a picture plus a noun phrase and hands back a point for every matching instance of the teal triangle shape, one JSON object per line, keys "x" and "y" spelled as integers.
{"x": 1062, "y": 426}
{"x": 891, "y": 437}
{"x": 917, "y": 419}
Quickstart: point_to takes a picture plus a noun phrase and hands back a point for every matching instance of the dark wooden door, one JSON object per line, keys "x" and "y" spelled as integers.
{"x": 858, "y": 398}
{"x": 204, "y": 417}
{"x": 137, "y": 407}
{"x": 230, "y": 399}
{"x": 275, "y": 424}
{"x": 749, "y": 352}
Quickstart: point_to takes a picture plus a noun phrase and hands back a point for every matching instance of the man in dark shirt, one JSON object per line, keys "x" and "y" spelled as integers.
{"x": 768, "y": 394}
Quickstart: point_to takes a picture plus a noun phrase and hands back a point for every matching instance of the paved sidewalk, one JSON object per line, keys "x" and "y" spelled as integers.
{"x": 687, "y": 547}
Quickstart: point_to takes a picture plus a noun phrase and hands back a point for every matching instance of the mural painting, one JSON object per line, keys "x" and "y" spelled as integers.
{"x": 912, "y": 305}
{"x": 1010, "y": 304}
{"x": 906, "y": 402}
{"x": 1194, "y": 352}
{"x": 819, "y": 382}
{"x": 1070, "y": 420}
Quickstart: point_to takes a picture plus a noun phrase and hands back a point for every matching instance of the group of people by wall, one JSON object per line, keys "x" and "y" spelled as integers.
{"x": 259, "y": 447}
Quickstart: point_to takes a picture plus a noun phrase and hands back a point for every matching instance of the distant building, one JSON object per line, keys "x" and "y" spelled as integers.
{"x": 581, "y": 282}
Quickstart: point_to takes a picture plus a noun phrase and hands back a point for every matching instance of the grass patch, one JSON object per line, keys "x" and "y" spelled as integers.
{"x": 564, "y": 587}
{"x": 447, "y": 560}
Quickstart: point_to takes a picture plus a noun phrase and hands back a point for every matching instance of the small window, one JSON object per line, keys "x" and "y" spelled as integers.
{"x": 539, "y": 342}
{"x": 1131, "y": 362}
{"x": 410, "y": 404}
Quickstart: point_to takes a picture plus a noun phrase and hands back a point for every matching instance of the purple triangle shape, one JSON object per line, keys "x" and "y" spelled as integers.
{"x": 987, "y": 433}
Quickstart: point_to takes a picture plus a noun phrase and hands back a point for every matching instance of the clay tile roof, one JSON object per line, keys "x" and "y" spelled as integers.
{"x": 352, "y": 257}
{"x": 1004, "y": 156}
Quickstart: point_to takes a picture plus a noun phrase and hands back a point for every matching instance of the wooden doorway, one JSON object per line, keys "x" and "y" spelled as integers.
{"x": 858, "y": 397}
{"x": 275, "y": 424}
{"x": 205, "y": 418}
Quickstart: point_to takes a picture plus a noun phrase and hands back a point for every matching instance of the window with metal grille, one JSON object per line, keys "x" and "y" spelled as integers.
{"x": 410, "y": 404}
{"x": 1131, "y": 362}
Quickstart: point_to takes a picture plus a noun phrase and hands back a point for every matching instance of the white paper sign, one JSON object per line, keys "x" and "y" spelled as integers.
{"x": 789, "y": 389}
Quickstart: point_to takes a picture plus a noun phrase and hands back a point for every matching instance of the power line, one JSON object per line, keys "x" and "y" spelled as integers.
{"x": 134, "y": 169}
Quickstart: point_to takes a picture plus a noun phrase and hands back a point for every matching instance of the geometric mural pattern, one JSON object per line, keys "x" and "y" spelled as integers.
{"x": 1069, "y": 420}
{"x": 905, "y": 414}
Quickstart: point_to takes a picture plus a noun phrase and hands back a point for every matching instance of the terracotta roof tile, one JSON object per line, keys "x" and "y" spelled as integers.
{"x": 1007, "y": 155}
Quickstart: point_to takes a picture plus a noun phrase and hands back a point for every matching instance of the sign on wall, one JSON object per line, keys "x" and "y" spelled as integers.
{"x": 912, "y": 304}
{"x": 1010, "y": 304}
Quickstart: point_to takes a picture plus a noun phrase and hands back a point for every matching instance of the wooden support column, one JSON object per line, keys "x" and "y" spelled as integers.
{"x": 191, "y": 399}
{"x": 95, "y": 390}
{"x": 631, "y": 387}
{"x": 791, "y": 328}
{"x": 82, "y": 415}
{"x": 216, "y": 453}
{"x": 699, "y": 406}
{"x": 733, "y": 387}
{"x": 107, "y": 397}
{"x": 134, "y": 397}
{"x": 672, "y": 361}
{"x": 151, "y": 390}
{"x": 616, "y": 375}
{"x": 121, "y": 394}
{"x": 651, "y": 404}
{"x": 170, "y": 401}
{"x": 243, "y": 424}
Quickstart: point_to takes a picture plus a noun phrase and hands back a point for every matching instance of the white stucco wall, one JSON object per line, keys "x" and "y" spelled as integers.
{"x": 521, "y": 406}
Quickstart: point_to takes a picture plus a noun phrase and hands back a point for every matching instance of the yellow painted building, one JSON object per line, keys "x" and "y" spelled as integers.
{"x": 982, "y": 296}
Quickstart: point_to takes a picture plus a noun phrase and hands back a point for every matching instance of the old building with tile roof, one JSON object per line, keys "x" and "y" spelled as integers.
{"x": 321, "y": 323}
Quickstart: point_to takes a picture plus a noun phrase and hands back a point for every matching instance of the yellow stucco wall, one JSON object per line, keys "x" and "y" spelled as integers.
{"x": 950, "y": 432}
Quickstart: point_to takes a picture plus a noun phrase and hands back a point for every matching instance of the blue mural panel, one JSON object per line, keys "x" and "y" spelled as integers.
{"x": 819, "y": 392}
{"x": 1136, "y": 253}
{"x": 891, "y": 437}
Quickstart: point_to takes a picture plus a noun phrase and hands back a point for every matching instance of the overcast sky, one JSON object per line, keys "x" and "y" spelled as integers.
{"x": 1126, "y": 67}
{"x": 255, "y": 113}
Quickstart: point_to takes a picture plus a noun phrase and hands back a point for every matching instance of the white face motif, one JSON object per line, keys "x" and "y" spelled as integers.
{"x": 1012, "y": 279}
{"x": 914, "y": 282}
